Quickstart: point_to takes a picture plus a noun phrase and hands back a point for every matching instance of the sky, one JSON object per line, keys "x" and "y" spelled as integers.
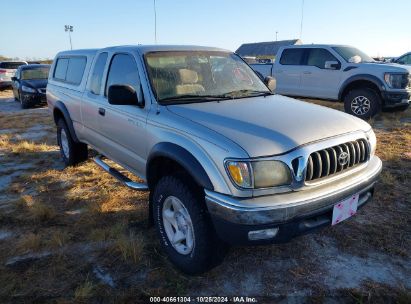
{"x": 35, "y": 29}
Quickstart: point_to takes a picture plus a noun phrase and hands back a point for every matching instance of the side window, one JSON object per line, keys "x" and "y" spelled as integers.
{"x": 75, "y": 69}
{"x": 70, "y": 69}
{"x": 318, "y": 57}
{"x": 123, "y": 70}
{"x": 97, "y": 75}
{"x": 61, "y": 68}
{"x": 292, "y": 57}
{"x": 405, "y": 59}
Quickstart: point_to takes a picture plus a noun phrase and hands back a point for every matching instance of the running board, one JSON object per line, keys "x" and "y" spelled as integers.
{"x": 115, "y": 173}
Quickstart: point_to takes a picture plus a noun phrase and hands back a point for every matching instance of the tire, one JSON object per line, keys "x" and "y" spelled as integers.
{"x": 24, "y": 104}
{"x": 71, "y": 152}
{"x": 363, "y": 103}
{"x": 191, "y": 222}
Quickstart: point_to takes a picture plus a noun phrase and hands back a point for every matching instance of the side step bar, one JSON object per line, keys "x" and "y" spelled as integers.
{"x": 115, "y": 173}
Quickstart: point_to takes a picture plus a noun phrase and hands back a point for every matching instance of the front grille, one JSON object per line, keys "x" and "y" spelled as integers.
{"x": 327, "y": 162}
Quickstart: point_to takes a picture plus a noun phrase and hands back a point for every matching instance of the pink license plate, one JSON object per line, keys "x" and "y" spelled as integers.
{"x": 345, "y": 209}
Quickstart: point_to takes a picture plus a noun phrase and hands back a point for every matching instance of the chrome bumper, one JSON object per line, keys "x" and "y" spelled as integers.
{"x": 284, "y": 207}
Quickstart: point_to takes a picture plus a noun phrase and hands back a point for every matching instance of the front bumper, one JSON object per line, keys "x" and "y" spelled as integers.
{"x": 396, "y": 99}
{"x": 5, "y": 84}
{"x": 33, "y": 98}
{"x": 293, "y": 213}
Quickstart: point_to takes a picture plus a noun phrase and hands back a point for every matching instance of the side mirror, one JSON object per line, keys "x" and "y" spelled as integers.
{"x": 271, "y": 83}
{"x": 14, "y": 78}
{"x": 122, "y": 95}
{"x": 400, "y": 62}
{"x": 332, "y": 65}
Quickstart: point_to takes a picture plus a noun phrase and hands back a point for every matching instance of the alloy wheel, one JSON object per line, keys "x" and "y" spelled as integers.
{"x": 178, "y": 225}
{"x": 360, "y": 105}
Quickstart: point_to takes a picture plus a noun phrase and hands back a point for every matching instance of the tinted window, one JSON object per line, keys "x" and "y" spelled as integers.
{"x": 292, "y": 56}
{"x": 405, "y": 59}
{"x": 96, "y": 76}
{"x": 75, "y": 69}
{"x": 318, "y": 57}
{"x": 123, "y": 70}
{"x": 70, "y": 69}
{"x": 11, "y": 65}
{"x": 61, "y": 68}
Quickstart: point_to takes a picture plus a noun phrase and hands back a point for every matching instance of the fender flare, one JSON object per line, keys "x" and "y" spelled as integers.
{"x": 62, "y": 108}
{"x": 364, "y": 77}
{"x": 184, "y": 158}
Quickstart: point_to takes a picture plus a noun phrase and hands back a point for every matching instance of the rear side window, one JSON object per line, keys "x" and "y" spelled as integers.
{"x": 123, "y": 70}
{"x": 97, "y": 75}
{"x": 11, "y": 65}
{"x": 70, "y": 69}
{"x": 61, "y": 69}
{"x": 318, "y": 57}
{"x": 292, "y": 57}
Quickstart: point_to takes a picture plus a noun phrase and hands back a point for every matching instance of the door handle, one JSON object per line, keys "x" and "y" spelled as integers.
{"x": 307, "y": 72}
{"x": 102, "y": 111}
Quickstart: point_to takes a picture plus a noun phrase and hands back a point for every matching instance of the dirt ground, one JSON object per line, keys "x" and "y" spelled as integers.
{"x": 75, "y": 234}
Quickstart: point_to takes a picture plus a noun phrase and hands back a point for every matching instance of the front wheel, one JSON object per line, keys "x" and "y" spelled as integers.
{"x": 71, "y": 152}
{"x": 183, "y": 226}
{"x": 363, "y": 103}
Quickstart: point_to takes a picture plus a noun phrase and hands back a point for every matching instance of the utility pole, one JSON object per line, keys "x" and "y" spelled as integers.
{"x": 302, "y": 19}
{"x": 155, "y": 23}
{"x": 276, "y": 35}
{"x": 69, "y": 29}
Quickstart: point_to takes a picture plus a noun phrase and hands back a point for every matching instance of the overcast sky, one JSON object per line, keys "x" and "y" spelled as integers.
{"x": 35, "y": 29}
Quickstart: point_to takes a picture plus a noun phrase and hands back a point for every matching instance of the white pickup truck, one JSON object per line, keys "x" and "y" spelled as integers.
{"x": 339, "y": 72}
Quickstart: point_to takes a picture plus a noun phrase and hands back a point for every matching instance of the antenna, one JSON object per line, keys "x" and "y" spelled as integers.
{"x": 302, "y": 19}
{"x": 155, "y": 22}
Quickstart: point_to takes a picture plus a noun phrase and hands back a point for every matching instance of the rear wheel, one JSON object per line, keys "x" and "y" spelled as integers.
{"x": 363, "y": 103}
{"x": 71, "y": 152}
{"x": 185, "y": 231}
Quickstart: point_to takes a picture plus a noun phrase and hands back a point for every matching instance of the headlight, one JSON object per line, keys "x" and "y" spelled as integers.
{"x": 28, "y": 89}
{"x": 259, "y": 174}
{"x": 372, "y": 140}
{"x": 396, "y": 81}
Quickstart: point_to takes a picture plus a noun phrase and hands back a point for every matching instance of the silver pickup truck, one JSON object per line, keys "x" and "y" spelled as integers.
{"x": 226, "y": 161}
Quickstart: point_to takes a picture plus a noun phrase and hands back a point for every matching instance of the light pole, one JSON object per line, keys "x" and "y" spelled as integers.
{"x": 155, "y": 22}
{"x": 276, "y": 35}
{"x": 69, "y": 29}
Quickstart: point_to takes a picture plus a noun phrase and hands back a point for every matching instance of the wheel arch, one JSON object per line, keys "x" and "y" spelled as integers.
{"x": 361, "y": 81}
{"x": 166, "y": 156}
{"x": 60, "y": 111}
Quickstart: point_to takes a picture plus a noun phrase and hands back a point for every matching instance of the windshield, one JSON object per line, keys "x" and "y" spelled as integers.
{"x": 36, "y": 73}
{"x": 198, "y": 76}
{"x": 352, "y": 55}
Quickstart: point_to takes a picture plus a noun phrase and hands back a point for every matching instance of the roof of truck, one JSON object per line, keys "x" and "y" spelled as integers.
{"x": 317, "y": 45}
{"x": 144, "y": 49}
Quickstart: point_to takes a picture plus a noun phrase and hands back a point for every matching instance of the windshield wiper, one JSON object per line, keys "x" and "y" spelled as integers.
{"x": 247, "y": 93}
{"x": 190, "y": 97}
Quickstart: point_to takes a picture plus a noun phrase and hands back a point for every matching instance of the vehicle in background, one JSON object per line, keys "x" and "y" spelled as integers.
{"x": 337, "y": 72}
{"x": 7, "y": 70}
{"x": 403, "y": 59}
{"x": 29, "y": 84}
{"x": 226, "y": 161}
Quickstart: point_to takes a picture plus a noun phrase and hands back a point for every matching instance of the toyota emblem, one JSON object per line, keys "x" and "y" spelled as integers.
{"x": 343, "y": 158}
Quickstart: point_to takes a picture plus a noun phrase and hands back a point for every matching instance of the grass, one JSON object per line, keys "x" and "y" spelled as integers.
{"x": 87, "y": 219}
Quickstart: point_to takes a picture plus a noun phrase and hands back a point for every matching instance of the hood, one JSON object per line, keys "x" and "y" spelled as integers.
{"x": 35, "y": 83}
{"x": 387, "y": 67}
{"x": 270, "y": 125}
